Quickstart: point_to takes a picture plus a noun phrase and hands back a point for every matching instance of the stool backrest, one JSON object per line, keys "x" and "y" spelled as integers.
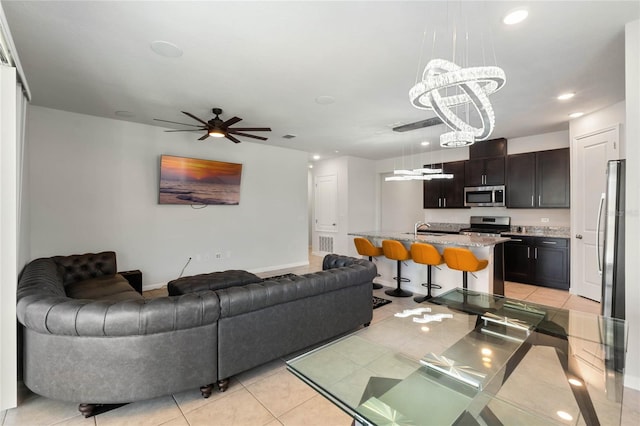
{"x": 393, "y": 249}
{"x": 426, "y": 254}
{"x": 364, "y": 247}
{"x": 462, "y": 259}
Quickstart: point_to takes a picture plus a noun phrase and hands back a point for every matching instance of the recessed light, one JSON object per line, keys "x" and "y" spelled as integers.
{"x": 325, "y": 100}
{"x": 424, "y": 143}
{"x": 565, "y": 96}
{"x": 576, "y": 114}
{"x": 311, "y": 166}
{"x": 166, "y": 49}
{"x": 515, "y": 17}
{"x": 316, "y": 157}
{"x": 575, "y": 382}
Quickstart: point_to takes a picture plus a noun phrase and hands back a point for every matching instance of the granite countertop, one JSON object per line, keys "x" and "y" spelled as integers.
{"x": 525, "y": 231}
{"x": 540, "y": 231}
{"x": 440, "y": 239}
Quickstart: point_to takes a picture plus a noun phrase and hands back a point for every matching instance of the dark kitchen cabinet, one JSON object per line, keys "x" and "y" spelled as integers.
{"x": 517, "y": 263}
{"x": 553, "y": 178}
{"x": 445, "y": 193}
{"x": 538, "y": 179}
{"x": 537, "y": 260}
{"x": 484, "y": 171}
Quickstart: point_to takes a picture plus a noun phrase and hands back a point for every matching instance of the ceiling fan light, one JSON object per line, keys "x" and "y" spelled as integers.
{"x": 216, "y": 133}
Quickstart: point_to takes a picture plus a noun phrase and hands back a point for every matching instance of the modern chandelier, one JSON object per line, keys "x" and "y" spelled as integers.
{"x": 473, "y": 85}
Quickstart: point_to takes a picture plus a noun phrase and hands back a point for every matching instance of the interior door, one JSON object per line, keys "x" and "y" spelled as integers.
{"x": 326, "y": 203}
{"x": 592, "y": 152}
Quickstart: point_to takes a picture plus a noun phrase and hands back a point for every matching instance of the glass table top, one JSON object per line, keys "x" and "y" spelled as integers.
{"x": 473, "y": 358}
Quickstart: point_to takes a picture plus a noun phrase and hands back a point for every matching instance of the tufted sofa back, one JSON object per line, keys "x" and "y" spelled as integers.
{"x": 338, "y": 272}
{"x": 80, "y": 267}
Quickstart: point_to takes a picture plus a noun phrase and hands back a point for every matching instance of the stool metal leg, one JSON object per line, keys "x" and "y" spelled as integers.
{"x": 376, "y": 286}
{"x": 430, "y": 285}
{"x": 398, "y": 292}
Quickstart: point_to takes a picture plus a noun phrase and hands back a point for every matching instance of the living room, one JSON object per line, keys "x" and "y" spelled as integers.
{"x": 90, "y": 183}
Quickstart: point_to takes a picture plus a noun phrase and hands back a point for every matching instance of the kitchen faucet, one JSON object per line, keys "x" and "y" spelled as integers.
{"x": 417, "y": 225}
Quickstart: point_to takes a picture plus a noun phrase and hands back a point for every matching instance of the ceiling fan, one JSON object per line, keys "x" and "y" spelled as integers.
{"x": 219, "y": 129}
{"x": 418, "y": 124}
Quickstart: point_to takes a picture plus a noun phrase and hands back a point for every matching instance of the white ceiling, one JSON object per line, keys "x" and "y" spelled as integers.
{"x": 267, "y": 62}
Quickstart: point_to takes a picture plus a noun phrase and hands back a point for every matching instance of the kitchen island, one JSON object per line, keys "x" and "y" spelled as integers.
{"x": 489, "y": 280}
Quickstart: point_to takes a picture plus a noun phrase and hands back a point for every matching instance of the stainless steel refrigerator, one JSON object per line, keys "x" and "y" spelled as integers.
{"x": 612, "y": 263}
{"x": 612, "y": 266}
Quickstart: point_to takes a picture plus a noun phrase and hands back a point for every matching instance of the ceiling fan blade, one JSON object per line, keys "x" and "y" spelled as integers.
{"x": 246, "y": 135}
{"x": 203, "y": 137}
{"x": 418, "y": 125}
{"x": 252, "y": 129}
{"x": 175, "y": 122}
{"x": 231, "y": 138}
{"x": 189, "y": 130}
{"x": 195, "y": 118}
{"x": 231, "y": 121}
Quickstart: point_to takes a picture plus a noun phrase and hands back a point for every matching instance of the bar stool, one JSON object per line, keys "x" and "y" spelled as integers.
{"x": 394, "y": 250}
{"x": 464, "y": 260}
{"x": 426, "y": 254}
{"x": 365, "y": 247}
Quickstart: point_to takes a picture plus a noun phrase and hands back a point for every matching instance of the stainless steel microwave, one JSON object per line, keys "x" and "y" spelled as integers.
{"x": 484, "y": 196}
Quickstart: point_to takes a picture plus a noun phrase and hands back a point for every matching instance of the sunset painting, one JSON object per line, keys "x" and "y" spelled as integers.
{"x": 193, "y": 181}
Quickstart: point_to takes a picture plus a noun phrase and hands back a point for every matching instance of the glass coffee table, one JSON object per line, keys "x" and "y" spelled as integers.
{"x": 473, "y": 358}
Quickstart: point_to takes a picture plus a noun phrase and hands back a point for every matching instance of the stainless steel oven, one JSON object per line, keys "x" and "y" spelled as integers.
{"x": 484, "y": 196}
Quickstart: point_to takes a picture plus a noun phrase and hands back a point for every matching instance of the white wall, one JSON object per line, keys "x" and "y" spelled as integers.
{"x": 519, "y": 217}
{"x": 632, "y": 245}
{"x": 94, "y": 186}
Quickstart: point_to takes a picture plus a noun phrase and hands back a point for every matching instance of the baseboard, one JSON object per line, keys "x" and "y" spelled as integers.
{"x": 632, "y": 382}
{"x": 277, "y": 267}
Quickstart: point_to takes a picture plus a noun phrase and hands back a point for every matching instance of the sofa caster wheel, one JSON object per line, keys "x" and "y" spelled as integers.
{"x": 367, "y": 324}
{"x": 86, "y": 409}
{"x": 223, "y": 384}
{"x": 206, "y": 390}
{"x": 90, "y": 410}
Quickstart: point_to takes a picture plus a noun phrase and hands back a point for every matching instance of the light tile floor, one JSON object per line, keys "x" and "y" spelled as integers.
{"x": 266, "y": 395}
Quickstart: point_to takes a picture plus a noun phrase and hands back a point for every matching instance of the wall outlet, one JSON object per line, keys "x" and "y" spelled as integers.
{"x": 218, "y": 255}
{"x": 544, "y": 219}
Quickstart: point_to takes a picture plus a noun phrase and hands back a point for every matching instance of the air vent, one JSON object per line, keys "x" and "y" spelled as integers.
{"x": 289, "y": 136}
{"x": 325, "y": 244}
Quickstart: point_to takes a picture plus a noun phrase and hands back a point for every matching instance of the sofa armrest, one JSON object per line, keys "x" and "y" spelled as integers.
{"x": 332, "y": 261}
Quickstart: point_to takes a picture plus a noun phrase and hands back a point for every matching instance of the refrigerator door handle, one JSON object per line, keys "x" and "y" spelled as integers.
{"x": 602, "y": 197}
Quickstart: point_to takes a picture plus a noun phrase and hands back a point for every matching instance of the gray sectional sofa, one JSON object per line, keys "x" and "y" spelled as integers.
{"x": 89, "y": 338}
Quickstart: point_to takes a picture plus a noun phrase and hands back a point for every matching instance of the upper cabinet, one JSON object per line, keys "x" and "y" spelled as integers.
{"x": 486, "y": 171}
{"x": 486, "y": 163}
{"x": 445, "y": 193}
{"x": 538, "y": 179}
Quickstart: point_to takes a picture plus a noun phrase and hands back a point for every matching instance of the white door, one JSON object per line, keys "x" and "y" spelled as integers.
{"x": 591, "y": 153}
{"x": 326, "y": 203}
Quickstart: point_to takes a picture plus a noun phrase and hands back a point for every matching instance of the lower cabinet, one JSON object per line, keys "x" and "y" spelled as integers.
{"x": 537, "y": 260}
